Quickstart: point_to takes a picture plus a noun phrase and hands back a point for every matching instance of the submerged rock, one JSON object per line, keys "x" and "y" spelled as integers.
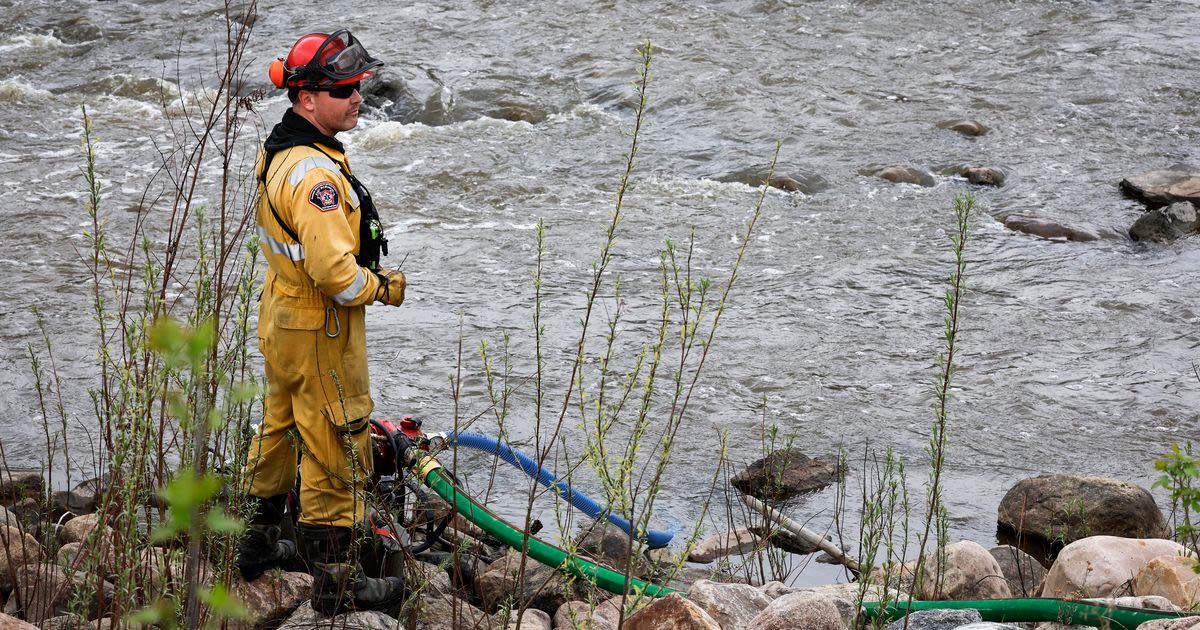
{"x": 907, "y": 175}
{"x": 1163, "y": 225}
{"x": 965, "y": 127}
{"x": 784, "y": 474}
{"x": 983, "y": 175}
{"x": 1160, "y": 188}
{"x": 1048, "y": 228}
{"x": 737, "y": 541}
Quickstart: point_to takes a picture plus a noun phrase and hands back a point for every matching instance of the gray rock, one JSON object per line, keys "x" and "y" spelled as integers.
{"x": 969, "y": 572}
{"x": 805, "y": 609}
{"x": 732, "y": 605}
{"x": 938, "y": 619}
{"x": 1023, "y": 572}
{"x": 784, "y": 474}
{"x": 531, "y": 619}
{"x": 1160, "y": 188}
{"x": 1067, "y": 508}
{"x": 988, "y": 625}
{"x": 1163, "y": 225}
{"x": 1186, "y": 623}
{"x": 580, "y": 614}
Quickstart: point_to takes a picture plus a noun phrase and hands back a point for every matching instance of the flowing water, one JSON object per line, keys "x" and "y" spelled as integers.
{"x": 1075, "y": 356}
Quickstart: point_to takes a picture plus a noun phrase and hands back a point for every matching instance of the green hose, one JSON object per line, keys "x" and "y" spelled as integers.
{"x": 998, "y": 610}
{"x": 1038, "y": 609}
{"x": 547, "y": 554}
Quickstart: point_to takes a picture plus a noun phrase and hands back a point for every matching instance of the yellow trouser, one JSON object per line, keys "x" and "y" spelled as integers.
{"x": 317, "y": 385}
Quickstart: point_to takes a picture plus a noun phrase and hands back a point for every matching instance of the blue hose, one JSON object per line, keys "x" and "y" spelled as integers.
{"x": 654, "y": 539}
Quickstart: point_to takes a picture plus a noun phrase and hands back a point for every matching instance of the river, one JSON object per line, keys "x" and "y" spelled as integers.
{"x": 1074, "y": 356}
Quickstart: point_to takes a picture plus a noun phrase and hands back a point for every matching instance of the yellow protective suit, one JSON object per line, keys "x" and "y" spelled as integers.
{"x": 311, "y": 333}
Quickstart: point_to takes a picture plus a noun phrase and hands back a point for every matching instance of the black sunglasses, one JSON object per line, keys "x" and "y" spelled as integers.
{"x": 338, "y": 91}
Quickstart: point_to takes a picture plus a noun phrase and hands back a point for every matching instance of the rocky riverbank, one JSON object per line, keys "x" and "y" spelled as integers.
{"x": 1106, "y": 541}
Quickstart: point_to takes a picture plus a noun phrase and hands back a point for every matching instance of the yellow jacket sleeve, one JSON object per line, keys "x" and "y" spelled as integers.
{"x": 326, "y": 221}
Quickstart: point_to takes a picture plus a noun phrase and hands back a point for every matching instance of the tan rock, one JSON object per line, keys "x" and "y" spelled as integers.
{"x": 968, "y": 572}
{"x": 271, "y": 597}
{"x": 1186, "y": 623}
{"x": 8, "y": 622}
{"x": 78, "y": 529}
{"x": 1103, "y": 566}
{"x": 731, "y": 605}
{"x": 581, "y": 614}
{"x": 532, "y": 619}
{"x": 16, "y": 549}
{"x": 805, "y": 609}
{"x": 738, "y": 541}
{"x": 672, "y": 612}
{"x": 1172, "y": 577}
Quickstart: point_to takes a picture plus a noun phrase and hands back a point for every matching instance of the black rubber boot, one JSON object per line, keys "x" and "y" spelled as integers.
{"x": 261, "y": 547}
{"x": 339, "y": 584}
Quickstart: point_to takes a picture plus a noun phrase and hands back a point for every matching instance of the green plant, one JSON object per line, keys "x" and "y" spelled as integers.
{"x": 1180, "y": 470}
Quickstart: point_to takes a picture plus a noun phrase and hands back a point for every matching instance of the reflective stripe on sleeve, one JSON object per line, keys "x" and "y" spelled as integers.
{"x": 352, "y": 291}
{"x": 294, "y": 251}
{"x": 309, "y": 163}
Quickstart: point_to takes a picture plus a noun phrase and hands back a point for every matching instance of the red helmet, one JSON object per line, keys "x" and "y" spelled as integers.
{"x": 321, "y": 60}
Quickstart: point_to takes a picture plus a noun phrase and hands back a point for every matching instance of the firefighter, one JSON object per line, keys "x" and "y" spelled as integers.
{"x": 322, "y": 238}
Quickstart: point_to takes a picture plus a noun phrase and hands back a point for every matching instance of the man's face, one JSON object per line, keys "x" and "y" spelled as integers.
{"x": 330, "y": 114}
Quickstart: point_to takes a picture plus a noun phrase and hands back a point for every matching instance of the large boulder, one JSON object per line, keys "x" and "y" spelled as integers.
{"x": 1103, "y": 566}
{"x": 806, "y": 609}
{"x": 732, "y": 605}
{"x": 1161, "y": 188}
{"x": 784, "y": 474}
{"x": 21, "y": 484}
{"x": 967, "y": 571}
{"x": 1163, "y": 225}
{"x": 672, "y": 612}
{"x": 1173, "y": 577}
{"x": 1063, "y": 508}
{"x": 1023, "y": 572}
{"x": 16, "y": 549}
{"x": 271, "y": 598}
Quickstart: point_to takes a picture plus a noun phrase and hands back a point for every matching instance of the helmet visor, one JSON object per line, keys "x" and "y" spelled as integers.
{"x": 342, "y": 57}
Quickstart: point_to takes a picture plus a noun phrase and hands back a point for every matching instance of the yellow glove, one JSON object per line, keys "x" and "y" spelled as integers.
{"x": 391, "y": 287}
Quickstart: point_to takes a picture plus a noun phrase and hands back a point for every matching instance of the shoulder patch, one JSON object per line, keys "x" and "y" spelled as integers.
{"x": 324, "y": 196}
